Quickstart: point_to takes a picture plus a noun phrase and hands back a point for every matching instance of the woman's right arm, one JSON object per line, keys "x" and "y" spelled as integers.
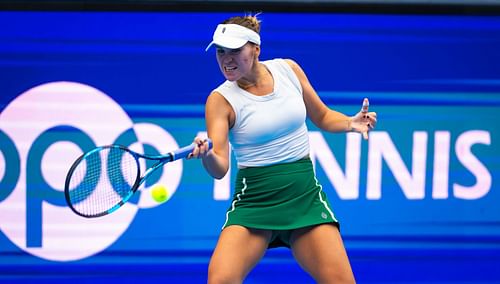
{"x": 219, "y": 117}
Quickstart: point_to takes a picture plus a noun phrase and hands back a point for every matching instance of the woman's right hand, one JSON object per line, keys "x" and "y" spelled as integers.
{"x": 201, "y": 149}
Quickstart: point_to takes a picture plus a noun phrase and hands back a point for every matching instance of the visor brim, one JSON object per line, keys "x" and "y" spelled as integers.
{"x": 227, "y": 42}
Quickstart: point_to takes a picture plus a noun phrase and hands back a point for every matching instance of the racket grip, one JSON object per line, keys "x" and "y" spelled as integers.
{"x": 183, "y": 152}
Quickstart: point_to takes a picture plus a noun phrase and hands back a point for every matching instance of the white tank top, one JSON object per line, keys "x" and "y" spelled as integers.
{"x": 268, "y": 129}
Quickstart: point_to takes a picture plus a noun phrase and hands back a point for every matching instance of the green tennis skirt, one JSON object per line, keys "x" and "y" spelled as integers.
{"x": 280, "y": 198}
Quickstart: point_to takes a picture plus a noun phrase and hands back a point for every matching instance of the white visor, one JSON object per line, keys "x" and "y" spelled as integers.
{"x": 233, "y": 36}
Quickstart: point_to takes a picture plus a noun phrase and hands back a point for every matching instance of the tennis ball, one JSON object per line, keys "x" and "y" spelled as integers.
{"x": 159, "y": 193}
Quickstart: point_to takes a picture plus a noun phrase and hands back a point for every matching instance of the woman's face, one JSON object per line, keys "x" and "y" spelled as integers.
{"x": 236, "y": 63}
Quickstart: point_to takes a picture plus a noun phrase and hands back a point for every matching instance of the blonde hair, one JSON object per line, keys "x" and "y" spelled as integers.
{"x": 247, "y": 21}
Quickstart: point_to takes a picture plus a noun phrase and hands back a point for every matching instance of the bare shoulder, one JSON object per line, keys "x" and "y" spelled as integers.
{"x": 217, "y": 107}
{"x": 217, "y": 99}
{"x": 292, "y": 63}
{"x": 295, "y": 67}
{"x": 217, "y": 104}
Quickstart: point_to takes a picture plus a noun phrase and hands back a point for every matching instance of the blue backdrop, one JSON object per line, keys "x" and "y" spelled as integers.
{"x": 417, "y": 202}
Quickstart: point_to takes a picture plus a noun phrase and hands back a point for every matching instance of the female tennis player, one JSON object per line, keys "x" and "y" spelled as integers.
{"x": 261, "y": 109}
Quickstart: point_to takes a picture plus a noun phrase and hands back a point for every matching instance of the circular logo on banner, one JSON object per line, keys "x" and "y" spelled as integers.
{"x": 41, "y": 133}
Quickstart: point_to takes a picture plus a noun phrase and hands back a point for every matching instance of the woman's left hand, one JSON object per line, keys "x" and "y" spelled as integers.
{"x": 364, "y": 121}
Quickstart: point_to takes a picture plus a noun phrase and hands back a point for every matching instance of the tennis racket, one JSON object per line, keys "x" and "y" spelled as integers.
{"x": 105, "y": 178}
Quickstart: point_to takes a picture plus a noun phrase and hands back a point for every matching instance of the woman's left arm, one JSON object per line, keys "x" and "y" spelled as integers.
{"x": 324, "y": 117}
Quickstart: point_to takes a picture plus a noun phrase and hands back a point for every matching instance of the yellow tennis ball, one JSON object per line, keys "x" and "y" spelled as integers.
{"x": 159, "y": 193}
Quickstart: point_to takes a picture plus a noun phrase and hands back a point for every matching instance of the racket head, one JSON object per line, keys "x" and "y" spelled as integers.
{"x": 102, "y": 180}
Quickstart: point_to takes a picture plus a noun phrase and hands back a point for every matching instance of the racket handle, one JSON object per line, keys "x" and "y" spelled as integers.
{"x": 183, "y": 152}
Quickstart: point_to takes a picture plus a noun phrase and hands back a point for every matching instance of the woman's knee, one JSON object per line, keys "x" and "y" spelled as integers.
{"x": 223, "y": 276}
{"x": 334, "y": 276}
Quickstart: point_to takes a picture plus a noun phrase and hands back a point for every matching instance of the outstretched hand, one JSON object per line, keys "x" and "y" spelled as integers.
{"x": 364, "y": 121}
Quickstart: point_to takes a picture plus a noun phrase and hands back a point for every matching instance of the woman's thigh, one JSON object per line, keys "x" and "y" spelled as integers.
{"x": 320, "y": 251}
{"x": 238, "y": 250}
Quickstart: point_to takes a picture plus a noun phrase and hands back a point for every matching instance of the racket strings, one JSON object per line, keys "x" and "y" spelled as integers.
{"x": 102, "y": 180}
